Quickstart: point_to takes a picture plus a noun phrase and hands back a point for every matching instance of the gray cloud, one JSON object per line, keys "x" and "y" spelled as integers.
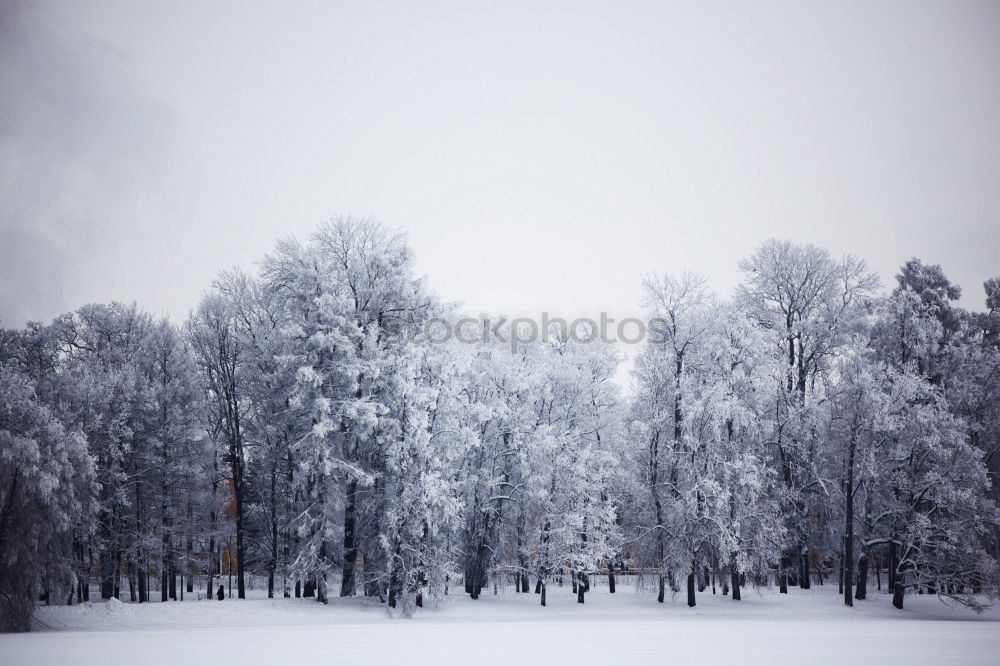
{"x": 79, "y": 145}
{"x": 540, "y": 155}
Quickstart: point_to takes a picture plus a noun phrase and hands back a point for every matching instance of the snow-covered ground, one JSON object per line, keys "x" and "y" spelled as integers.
{"x": 804, "y": 627}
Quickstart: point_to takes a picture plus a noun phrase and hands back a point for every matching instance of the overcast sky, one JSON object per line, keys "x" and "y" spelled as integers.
{"x": 539, "y": 155}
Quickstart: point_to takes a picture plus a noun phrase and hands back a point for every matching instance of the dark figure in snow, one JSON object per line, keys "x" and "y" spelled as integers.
{"x": 221, "y": 594}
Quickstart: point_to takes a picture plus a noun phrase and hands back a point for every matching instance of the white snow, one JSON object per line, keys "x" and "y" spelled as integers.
{"x": 804, "y": 627}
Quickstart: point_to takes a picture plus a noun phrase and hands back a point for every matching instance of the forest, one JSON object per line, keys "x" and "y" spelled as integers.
{"x": 302, "y": 426}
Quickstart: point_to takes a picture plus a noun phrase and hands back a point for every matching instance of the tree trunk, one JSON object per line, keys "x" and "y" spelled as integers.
{"x": 690, "y": 589}
{"x": 840, "y": 572}
{"x": 611, "y": 578}
{"x": 899, "y": 591}
{"x": 236, "y": 463}
{"x": 272, "y": 566}
{"x": 211, "y": 563}
{"x": 892, "y": 565}
{"x": 525, "y": 584}
{"x": 321, "y": 590}
{"x": 347, "y": 584}
{"x": 164, "y": 582}
{"x": 848, "y": 571}
{"x": 862, "y": 587}
{"x": 804, "y": 581}
{"x": 849, "y": 523}
{"x": 878, "y": 570}
{"x": 190, "y": 549}
{"x": 241, "y": 592}
{"x": 211, "y": 537}
{"x": 543, "y": 594}
{"x": 107, "y": 576}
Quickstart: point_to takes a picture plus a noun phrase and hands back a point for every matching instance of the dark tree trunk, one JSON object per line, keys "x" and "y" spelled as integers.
{"x": 848, "y": 571}
{"x": 690, "y": 589}
{"x": 83, "y": 582}
{"x": 849, "y": 521}
{"x": 240, "y": 582}
{"x": 538, "y": 585}
{"x": 321, "y": 589}
{"x": 543, "y": 594}
{"x": 211, "y": 538}
{"x": 210, "y": 566}
{"x": 272, "y": 565}
{"x": 840, "y": 573}
{"x": 735, "y": 583}
{"x": 347, "y": 583}
{"x": 862, "y": 587}
{"x": 190, "y": 549}
{"x": 611, "y": 579}
{"x": 893, "y": 564}
{"x": 662, "y": 585}
{"x": 107, "y": 577}
{"x": 899, "y": 591}
{"x": 804, "y": 574}
{"x": 878, "y": 570}
{"x": 118, "y": 575}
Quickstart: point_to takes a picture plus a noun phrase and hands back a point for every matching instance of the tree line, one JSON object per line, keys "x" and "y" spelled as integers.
{"x": 302, "y": 426}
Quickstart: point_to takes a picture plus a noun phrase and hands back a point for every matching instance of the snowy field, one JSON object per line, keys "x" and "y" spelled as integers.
{"x": 804, "y": 627}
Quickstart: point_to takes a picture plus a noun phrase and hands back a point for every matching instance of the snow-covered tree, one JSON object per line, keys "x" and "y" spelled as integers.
{"x": 47, "y": 492}
{"x": 568, "y": 465}
{"x": 349, "y": 300}
{"x": 809, "y": 304}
